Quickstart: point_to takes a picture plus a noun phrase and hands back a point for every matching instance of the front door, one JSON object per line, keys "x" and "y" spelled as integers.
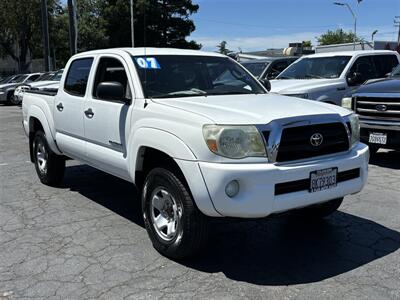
{"x": 68, "y": 109}
{"x": 107, "y": 121}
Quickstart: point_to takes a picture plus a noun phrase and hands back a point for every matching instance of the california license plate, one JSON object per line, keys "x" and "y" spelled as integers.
{"x": 323, "y": 179}
{"x": 378, "y": 138}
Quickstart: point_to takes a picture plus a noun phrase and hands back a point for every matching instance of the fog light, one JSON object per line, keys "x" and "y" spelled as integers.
{"x": 232, "y": 188}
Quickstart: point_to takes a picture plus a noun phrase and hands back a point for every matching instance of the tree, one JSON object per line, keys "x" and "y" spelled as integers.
{"x": 20, "y": 30}
{"x": 337, "y": 37}
{"x": 306, "y": 44}
{"x": 223, "y": 49}
{"x": 158, "y": 23}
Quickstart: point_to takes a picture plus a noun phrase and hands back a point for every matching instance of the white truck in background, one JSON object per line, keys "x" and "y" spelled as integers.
{"x": 199, "y": 136}
{"x": 328, "y": 77}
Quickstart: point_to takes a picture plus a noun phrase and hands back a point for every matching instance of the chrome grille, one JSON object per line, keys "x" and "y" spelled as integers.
{"x": 377, "y": 107}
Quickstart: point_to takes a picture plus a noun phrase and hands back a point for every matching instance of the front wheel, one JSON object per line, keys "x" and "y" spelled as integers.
{"x": 49, "y": 166}
{"x": 175, "y": 226}
{"x": 320, "y": 211}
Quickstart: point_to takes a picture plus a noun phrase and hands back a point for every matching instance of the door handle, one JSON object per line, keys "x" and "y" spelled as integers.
{"x": 89, "y": 113}
{"x": 60, "y": 107}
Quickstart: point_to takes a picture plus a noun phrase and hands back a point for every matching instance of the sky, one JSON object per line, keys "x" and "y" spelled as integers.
{"x": 252, "y": 25}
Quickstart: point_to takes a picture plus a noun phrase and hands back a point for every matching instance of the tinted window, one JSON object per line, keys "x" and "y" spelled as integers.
{"x": 255, "y": 68}
{"x": 166, "y": 76}
{"x": 77, "y": 77}
{"x": 33, "y": 77}
{"x": 384, "y": 64}
{"x": 111, "y": 69}
{"x": 316, "y": 67}
{"x": 364, "y": 67}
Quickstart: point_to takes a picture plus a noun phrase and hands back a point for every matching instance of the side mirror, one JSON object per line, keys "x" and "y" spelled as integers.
{"x": 265, "y": 82}
{"x": 354, "y": 79}
{"x": 111, "y": 90}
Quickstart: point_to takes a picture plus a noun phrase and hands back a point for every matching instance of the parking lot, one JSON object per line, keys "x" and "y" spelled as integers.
{"x": 86, "y": 240}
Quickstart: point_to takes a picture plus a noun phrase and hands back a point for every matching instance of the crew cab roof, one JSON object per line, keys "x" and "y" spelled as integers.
{"x": 150, "y": 51}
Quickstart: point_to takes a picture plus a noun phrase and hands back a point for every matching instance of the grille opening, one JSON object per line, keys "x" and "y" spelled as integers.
{"x": 367, "y": 106}
{"x": 304, "y": 184}
{"x": 295, "y": 142}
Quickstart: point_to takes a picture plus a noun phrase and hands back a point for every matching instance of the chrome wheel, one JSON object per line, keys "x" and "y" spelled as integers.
{"x": 41, "y": 157}
{"x": 166, "y": 214}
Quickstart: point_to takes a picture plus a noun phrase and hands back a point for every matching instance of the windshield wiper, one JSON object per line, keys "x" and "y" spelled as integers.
{"x": 284, "y": 77}
{"x": 186, "y": 93}
{"x": 313, "y": 76}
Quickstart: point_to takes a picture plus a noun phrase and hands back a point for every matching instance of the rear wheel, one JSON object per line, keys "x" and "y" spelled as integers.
{"x": 175, "y": 226}
{"x": 49, "y": 166}
{"x": 321, "y": 210}
{"x": 14, "y": 100}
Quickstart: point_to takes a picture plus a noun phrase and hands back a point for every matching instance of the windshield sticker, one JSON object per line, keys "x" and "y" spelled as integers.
{"x": 147, "y": 62}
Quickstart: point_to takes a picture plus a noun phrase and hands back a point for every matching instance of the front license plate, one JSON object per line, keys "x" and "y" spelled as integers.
{"x": 378, "y": 138}
{"x": 323, "y": 179}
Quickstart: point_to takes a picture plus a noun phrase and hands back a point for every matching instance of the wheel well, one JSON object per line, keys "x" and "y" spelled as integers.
{"x": 34, "y": 126}
{"x": 10, "y": 94}
{"x": 148, "y": 158}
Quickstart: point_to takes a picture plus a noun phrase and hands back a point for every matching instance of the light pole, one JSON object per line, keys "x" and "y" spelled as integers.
{"x": 132, "y": 26}
{"x": 355, "y": 21}
{"x": 373, "y": 33}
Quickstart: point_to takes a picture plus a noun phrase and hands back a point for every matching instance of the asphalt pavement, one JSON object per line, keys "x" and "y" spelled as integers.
{"x": 85, "y": 240}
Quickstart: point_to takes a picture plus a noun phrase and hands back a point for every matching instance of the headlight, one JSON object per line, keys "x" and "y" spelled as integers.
{"x": 304, "y": 96}
{"x": 355, "y": 129}
{"x": 234, "y": 141}
{"x": 347, "y": 102}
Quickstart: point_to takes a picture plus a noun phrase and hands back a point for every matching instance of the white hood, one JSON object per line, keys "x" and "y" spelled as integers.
{"x": 293, "y": 86}
{"x": 251, "y": 109}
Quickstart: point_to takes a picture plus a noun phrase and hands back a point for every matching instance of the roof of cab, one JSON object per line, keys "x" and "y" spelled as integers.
{"x": 352, "y": 53}
{"x": 151, "y": 51}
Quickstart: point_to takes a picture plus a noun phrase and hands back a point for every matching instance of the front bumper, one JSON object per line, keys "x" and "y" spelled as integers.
{"x": 392, "y": 129}
{"x": 257, "y": 196}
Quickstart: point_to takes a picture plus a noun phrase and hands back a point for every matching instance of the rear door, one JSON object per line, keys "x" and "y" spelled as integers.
{"x": 69, "y": 108}
{"x": 384, "y": 64}
{"x": 107, "y": 121}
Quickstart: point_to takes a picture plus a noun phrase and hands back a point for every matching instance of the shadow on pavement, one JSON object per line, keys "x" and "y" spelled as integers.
{"x": 275, "y": 251}
{"x": 386, "y": 159}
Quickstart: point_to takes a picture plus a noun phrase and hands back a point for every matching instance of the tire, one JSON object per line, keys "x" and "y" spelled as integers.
{"x": 9, "y": 100}
{"x": 14, "y": 100}
{"x": 49, "y": 166}
{"x": 182, "y": 230}
{"x": 319, "y": 211}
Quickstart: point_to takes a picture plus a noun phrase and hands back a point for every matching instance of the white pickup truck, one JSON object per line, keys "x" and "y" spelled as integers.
{"x": 199, "y": 136}
{"x": 328, "y": 77}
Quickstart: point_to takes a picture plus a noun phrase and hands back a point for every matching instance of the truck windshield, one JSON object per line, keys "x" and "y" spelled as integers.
{"x": 255, "y": 68}
{"x": 316, "y": 67}
{"x": 170, "y": 76}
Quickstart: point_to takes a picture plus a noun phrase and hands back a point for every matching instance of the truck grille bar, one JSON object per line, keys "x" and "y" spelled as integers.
{"x": 376, "y": 107}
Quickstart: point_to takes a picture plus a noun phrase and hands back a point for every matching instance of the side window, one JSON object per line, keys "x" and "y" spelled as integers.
{"x": 111, "y": 69}
{"x": 77, "y": 76}
{"x": 364, "y": 67}
{"x": 33, "y": 77}
{"x": 277, "y": 68}
{"x": 384, "y": 64}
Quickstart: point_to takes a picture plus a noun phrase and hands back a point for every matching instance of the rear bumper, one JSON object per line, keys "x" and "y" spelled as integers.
{"x": 258, "y": 197}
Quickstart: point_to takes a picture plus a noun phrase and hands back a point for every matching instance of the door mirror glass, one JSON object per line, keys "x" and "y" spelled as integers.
{"x": 266, "y": 83}
{"x": 111, "y": 90}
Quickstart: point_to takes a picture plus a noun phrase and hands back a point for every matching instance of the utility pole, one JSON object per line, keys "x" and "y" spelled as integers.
{"x": 397, "y": 24}
{"x": 132, "y": 26}
{"x": 73, "y": 30}
{"x": 354, "y": 18}
{"x": 45, "y": 33}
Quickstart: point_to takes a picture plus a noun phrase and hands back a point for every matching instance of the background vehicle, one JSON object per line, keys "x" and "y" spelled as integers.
{"x": 7, "y": 89}
{"x": 378, "y": 105}
{"x": 46, "y": 79}
{"x": 327, "y": 77}
{"x": 199, "y": 136}
{"x": 268, "y": 68}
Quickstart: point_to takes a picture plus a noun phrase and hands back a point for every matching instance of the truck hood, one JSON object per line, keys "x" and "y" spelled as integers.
{"x": 42, "y": 83}
{"x": 293, "y": 86}
{"x": 389, "y": 85}
{"x": 250, "y": 109}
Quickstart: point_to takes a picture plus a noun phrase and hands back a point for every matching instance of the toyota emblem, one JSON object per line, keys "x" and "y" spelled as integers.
{"x": 316, "y": 139}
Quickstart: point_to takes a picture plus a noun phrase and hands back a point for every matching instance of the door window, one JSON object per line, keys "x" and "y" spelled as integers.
{"x": 77, "y": 76}
{"x": 384, "y": 64}
{"x": 111, "y": 69}
{"x": 364, "y": 67}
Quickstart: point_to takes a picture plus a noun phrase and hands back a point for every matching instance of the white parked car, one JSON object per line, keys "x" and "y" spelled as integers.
{"x": 50, "y": 79}
{"x": 327, "y": 77}
{"x": 199, "y": 136}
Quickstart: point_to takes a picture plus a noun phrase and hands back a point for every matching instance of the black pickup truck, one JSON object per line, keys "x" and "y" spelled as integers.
{"x": 378, "y": 105}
